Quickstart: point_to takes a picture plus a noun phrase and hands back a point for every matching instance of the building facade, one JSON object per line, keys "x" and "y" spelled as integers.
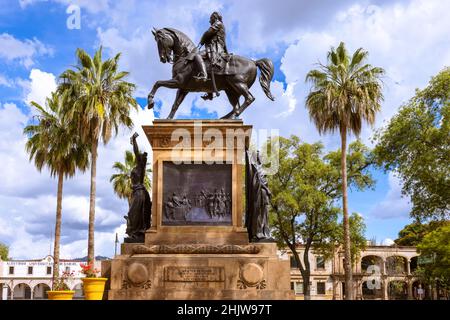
{"x": 31, "y": 279}
{"x": 381, "y": 272}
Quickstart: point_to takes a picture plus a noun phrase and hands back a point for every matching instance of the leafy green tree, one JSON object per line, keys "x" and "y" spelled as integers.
{"x": 436, "y": 246}
{"x": 54, "y": 143}
{"x": 412, "y": 234}
{"x": 345, "y": 92}
{"x": 122, "y": 180}
{"x": 416, "y": 145}
{"x": 358, "y": 240}
{"x": 99, "y": 102}
{"x": 304, "y": 191}
{"x": 4, "y": 252}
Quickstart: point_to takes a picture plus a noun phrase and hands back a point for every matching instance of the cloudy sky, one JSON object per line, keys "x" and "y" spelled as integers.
{"x": 407, "y": 38}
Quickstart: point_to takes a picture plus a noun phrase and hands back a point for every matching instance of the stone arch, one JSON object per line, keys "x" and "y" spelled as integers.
{"x": 396, "y": 265}
{"x": 371, "y": 291}
{"x": 5, "y": 294}
{"x": 414, "y": 263}
{"x": 415, "y": 290}
{"x": 370, "y": 260}
{"x": 79, "y": 294}
{"x": 40, "y": 291}
{"x": 22, "y": 291}
{"x": 398, "y": 290}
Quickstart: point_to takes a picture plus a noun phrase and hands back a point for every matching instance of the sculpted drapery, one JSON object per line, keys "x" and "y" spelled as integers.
{"x": 258, "y": 200}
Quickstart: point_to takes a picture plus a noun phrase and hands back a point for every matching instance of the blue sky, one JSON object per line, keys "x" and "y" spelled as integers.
{"x": 407, "y": 38}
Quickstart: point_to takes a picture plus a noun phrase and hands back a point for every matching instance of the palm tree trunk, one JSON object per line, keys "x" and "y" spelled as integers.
{"x": 57, "y": 228}
{"x": 347, "y": 253}
{"x": 92, "y": 201}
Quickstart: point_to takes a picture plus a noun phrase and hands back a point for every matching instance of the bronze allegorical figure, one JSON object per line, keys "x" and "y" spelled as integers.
{"x": 139, "y": 214}
{"x": 258, "y": 200}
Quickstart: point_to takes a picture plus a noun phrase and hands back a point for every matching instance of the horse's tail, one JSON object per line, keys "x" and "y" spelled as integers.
{"x": 266, "y": 68}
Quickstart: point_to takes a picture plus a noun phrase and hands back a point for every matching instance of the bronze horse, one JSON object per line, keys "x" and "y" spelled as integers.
{"x": 175, "y": 47}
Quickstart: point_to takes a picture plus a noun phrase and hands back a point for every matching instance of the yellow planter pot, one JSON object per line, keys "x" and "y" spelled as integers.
{"x": 60, "y": 295}
{"x": 93, "y": 288}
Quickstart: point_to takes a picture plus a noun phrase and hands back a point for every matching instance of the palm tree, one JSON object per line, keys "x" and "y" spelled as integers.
{"x": 100, "y": 101}
{"x": 122, "y": 180}
{"x": 53, "y": 143}
{"x": 344, "y": 93}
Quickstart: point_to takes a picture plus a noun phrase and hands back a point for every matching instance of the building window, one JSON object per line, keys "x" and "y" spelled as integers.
{"x": 11, "y": 270}
{"x": 30, "y": 270}
{"x": 294, "y": 264}
{"x": 68, "y": 269}
{"x": 320, "y": 263}
{"x": 49, "y": 270}
{"x": 298, "y": 288}
{"x": 320, "y": 287}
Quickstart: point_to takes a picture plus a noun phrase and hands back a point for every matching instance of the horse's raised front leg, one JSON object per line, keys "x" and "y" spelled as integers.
{"x": 171, "y": 84}
{"x": 181, "y": 94}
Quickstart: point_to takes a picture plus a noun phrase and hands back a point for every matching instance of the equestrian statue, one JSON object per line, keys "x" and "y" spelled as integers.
{"x": 211, "y": 70}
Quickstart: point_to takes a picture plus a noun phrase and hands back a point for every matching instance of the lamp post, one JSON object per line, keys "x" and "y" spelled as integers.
{"x": 115, "y": 245}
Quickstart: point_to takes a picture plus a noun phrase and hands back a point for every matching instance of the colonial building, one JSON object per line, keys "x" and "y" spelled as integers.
{"x": 30, "y": 279}
{"x": 381, "y": 272}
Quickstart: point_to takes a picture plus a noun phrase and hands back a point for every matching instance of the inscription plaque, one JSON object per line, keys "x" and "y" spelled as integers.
{"x": 196, "y": 194}
{"x": 194, "y": 274}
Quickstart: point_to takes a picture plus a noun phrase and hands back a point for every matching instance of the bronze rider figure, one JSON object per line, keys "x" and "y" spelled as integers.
{"x": 214, "y": 41}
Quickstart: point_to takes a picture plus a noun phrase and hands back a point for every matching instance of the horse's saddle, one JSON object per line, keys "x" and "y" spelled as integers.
{"x": 225, "y": 63}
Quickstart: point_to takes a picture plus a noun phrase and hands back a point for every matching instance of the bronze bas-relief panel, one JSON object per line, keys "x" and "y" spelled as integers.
{"x": 197, "y": 194}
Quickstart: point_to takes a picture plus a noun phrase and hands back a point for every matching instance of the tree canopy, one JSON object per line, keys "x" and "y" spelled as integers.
{"x": 436, "y": 246}
{"x": 416, "y": 145}
{"x": 4, "y": 252}
{"x": 53, "y": 140}
{"x": 412, "y": 234}
{"x": 305, "y": 190}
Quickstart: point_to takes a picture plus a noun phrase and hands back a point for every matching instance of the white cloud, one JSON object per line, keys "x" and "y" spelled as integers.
{"x": 25, "y": 3}
{"x": 40, "y": 86}
{"x": 394, "y": 205}
{"x": 92, "y": 6}
{"x": 4, "y": 81}
{"x": 24, "y": 52}
{"x": 386, "y": 32}
{"x": 139, "y": 56}
{"x": 387, "y": 242}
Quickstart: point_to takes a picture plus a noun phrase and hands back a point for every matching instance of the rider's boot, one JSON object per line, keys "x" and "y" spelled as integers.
{"x": 202, "y": 75}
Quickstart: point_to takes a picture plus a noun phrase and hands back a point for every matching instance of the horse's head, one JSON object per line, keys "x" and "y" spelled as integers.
{"x": 165, "y": 43}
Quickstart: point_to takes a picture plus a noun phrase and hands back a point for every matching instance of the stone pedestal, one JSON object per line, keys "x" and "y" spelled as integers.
{"x": 198, "y": 247}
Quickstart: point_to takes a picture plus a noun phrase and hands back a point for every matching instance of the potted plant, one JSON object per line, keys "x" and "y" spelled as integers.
{"x": 60, "y": 289}
{"x": 93, "y": 286}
